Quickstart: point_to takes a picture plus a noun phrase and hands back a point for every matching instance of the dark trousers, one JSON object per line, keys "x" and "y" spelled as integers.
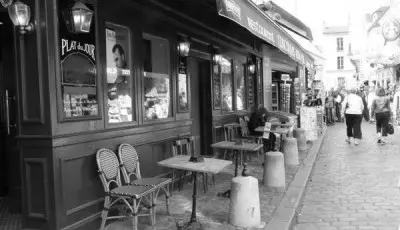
{"x": 329, "y": 116}
{"x": 353, "y": 123}
{"x": 382, "y": 122}
{"x": 338, "y": 109}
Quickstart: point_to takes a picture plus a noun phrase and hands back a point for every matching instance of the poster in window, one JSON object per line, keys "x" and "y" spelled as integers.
{"x": 119, "y": 80}
{"x": 78, "y": 70}
{"x": 182, "y": 91}
{"x": 216, "y": 81}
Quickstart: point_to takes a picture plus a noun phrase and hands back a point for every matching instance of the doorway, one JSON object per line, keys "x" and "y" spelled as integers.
{"x": 10, "y": 175}
{"x": 199, "y": 72}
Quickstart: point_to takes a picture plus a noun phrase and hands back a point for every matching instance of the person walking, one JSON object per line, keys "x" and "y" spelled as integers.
{"x": 352, "y": 109}
{"x": 371, "y": 96}
{"x": 329, "y": 106}
{"x": 338, "y": 103}
{"x": 381, "y": 111}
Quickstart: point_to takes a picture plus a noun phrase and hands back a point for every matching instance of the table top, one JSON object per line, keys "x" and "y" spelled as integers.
{"x": 278, "y": 130}
{"x": 210, "y": 165}
{"x": 231, "y": 145}
{"x": 282, "y": 125}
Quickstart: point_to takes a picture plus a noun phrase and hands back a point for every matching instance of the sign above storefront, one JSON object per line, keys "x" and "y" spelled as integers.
{"x": 247, "y": 15}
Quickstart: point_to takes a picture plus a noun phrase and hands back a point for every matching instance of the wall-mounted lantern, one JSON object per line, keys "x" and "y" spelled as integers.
{"x": 184, "y": 47}
{"x": 251, "y": 67}
{"x": 78, "y": 18}
{"x": 217, "y": 58}
{"x": 20, "y": 15}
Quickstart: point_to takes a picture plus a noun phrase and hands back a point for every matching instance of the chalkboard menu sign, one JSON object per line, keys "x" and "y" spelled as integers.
{"x": 250, "y": 89}
{"x": 78, "y": 69}
{"x": 216, "y": 81}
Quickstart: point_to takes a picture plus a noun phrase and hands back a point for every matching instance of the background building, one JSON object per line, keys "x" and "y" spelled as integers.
{"x": 339, "y": 71}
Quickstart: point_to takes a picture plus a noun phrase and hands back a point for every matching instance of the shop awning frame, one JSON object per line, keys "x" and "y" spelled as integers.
{"x": 248, "y": 15}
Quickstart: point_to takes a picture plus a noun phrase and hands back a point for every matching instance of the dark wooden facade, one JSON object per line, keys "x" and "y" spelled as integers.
{"x": 60, "y": 185}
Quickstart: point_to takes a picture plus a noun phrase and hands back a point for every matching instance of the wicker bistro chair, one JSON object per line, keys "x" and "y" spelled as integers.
{"x": 130, "y": 166}
{"x": 244, "y": 128}
{"x": 117, "y": 195}
{"x": 185, "y": 146}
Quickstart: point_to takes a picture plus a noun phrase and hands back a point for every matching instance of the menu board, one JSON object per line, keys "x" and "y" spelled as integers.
{"x": 309, "y": 121}
{"x": 78, "y": 70}
{"x": 216, "y": 81}
{"x": 285, "y": 98}
{"x": 250, "y": 90}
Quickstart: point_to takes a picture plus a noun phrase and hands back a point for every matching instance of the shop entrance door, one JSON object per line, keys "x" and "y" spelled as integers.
{"x": 10, "y": 175}
{"x": 200, "y": 106}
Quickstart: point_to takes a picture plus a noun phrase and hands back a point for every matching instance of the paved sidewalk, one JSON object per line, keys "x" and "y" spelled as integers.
{"x": 353, "y": 187}
{"x": 213, "y": 211}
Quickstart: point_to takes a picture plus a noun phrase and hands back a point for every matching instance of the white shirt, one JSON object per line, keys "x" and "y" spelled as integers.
{"x": 355, "y": 104}
{"x": 338, "y": 99}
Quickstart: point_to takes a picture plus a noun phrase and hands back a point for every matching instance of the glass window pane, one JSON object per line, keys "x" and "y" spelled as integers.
{"x": 241, "y": 90}
{"x": 227, "y": 84}
{"x": 119, "y": 78}
{"x": 182, "y": 90}
{"x": 157, "y": 79}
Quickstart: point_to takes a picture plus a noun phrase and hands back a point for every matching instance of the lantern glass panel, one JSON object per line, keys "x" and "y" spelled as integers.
{"x": 19, "y": 14}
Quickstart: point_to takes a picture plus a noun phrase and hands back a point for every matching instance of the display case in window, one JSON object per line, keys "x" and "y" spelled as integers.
{"x": 119, "y": 78}
{"x": 275, "y": 96}
{"x": 156, "y": 78}
{"x": 227, "y": 84}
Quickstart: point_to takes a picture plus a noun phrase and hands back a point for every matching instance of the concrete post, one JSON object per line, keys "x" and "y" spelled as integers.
{"x": 300, "y": 135}
{"x": 274, "y": 170}
{"x": 291, "y": 151}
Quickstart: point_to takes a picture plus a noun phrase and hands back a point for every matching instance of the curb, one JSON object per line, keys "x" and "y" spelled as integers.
{"x": 284, "y": 217}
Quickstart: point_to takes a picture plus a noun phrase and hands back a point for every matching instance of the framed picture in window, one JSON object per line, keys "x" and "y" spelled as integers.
{"x": 183, "y": 97}
{"x": 119, "y": 77}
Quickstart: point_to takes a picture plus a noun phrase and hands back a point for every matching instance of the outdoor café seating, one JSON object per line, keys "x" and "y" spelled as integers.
{"x": 128, "y": 197}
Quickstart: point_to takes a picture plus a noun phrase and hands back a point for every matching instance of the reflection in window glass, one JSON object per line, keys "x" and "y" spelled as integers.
{"x": 182, "y": 90}
{"x": 157, "y": 80}
{"x": 241, "y": 91}
{"x": 227, "y": 84}
{"x": 119, "y": 79}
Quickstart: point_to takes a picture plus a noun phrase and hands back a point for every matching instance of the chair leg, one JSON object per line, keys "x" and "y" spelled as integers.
{"x": 154, "y": 206}
{"x": 134, "y": 215}
{"x": 104, "y": 213}
{"x": 173, "y": 180}
{"x": 205, "y": 182}
{"x": 213, "y": 178}
{"x": 167, "y": 195}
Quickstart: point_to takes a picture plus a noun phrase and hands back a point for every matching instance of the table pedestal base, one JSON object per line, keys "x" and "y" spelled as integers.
{"x": 192, "y": 226}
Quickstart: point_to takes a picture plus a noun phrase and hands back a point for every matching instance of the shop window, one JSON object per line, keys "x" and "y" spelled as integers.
{"x": 119, "y": 77}
{"x": 79, "y": 85}
{"x": 156, "y": 78}
{"x": 183, "y": 95}
{"x": 227, "y": 84}
{"x": 240, "y": 85}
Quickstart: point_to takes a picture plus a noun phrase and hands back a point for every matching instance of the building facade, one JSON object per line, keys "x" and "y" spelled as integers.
{"x": 123, "y": 79}
{"x": 339, "y": 71}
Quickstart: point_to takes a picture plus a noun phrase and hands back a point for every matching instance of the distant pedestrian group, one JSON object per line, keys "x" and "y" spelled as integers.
{"x": 355, "y": 107}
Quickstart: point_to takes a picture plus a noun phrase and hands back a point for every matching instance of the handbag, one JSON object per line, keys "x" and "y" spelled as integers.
{"x": 390, "y": 129}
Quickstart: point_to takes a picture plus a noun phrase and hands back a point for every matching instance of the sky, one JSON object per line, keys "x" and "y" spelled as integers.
{"x": 334, "y": 12}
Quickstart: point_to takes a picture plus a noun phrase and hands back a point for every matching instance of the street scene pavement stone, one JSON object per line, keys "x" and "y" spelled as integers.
{"x": 353, "y": 187}
{"x": 213, "y": 211}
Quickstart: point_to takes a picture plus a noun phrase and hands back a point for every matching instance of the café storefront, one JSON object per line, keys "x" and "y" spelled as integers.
{"x": 141, "y": 72}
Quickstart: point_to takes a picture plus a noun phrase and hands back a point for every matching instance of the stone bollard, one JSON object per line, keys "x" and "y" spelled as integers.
{"x": 300, "y": 135}
{"x": 291, "y": 151}
{"x": 244, "y": 207}
{"x": 274, "y": 170}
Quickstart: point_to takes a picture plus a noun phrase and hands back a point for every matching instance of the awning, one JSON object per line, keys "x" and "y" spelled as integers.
{"x": 248, "y": 15}
{"x": 306, "y": 44}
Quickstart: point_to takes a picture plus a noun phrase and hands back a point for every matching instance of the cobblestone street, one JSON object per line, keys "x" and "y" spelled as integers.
{"x": 353, "y": 187}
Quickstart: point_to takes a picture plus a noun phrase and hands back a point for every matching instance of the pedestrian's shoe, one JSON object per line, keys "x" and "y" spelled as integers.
{"x": 348, "y": 141}
{"x": 356, "y": 143}
{"x": 379, "y": 141}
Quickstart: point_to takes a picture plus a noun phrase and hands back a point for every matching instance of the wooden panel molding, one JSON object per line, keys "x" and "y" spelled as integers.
{"x": 36, "y": 177}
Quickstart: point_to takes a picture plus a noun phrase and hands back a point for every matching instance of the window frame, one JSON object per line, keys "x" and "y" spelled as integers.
{"x": 339, "y": 44}
{"x": 133, "y": 94}
{"x": 171, "y": 83}
{"x": 340, "y": 62}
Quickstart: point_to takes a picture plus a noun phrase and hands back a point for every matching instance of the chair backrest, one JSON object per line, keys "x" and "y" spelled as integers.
{"x": 184, "y": 146}
{"x": 247, "y": 119}
{"x": 243, "y": 127}
{"x": 229, "y": 132}
{"x": 108, "y": 168}
{"x": 129, "y": 160}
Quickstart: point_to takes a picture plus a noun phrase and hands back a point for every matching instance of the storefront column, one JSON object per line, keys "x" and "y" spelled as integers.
{"x": 267, "y": 77}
